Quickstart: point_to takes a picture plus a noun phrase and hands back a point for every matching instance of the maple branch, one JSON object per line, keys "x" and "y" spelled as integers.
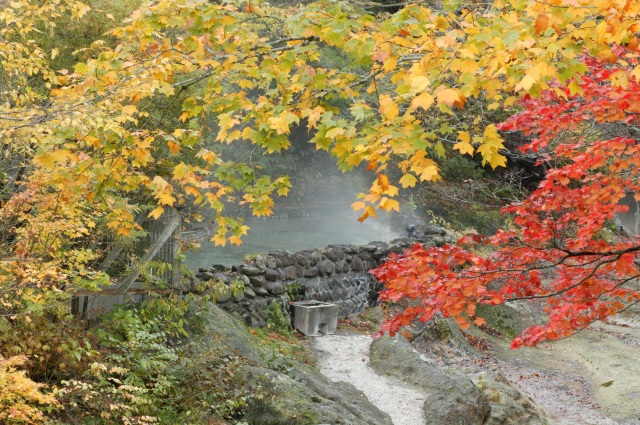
{"x": 618, "y": 253}
{"x": 565, "y": 7}
{"x": 384, "y": 6}
{"x": 570, "y": 287}
{"x": 211, "y": 71}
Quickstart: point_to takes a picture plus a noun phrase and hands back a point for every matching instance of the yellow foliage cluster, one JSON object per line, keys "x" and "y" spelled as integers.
{"x": 21, "y": 399}
{"x": 233, "y": 70}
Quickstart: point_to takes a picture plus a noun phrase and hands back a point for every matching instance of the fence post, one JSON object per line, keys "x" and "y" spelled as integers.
{"x": 167, "y": 232}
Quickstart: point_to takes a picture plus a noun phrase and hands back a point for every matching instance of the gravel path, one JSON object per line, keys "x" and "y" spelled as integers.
{"x": 346, "y": 358}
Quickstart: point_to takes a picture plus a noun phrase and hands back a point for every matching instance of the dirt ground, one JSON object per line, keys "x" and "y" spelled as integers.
{"x": 592, "y": 378}
{"x": 345, "y": 357}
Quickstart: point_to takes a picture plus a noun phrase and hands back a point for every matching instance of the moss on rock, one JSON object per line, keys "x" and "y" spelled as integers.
{"x": 293, "y": 393}
{"x": 452, "y": 399}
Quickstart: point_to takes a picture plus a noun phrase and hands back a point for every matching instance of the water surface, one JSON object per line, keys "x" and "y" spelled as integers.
{"x": 295, "y": 234}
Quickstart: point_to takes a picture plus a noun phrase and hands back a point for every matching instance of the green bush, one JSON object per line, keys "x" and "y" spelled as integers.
{"x": 276, "y": 320}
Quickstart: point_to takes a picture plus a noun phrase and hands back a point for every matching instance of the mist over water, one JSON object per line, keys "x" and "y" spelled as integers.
{"x": 318, "y": 206}
{"x": 631, "y": 219}
{"x": 296, "y": 234}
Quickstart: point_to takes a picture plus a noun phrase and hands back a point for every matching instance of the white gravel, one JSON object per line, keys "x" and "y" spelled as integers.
{"x": 346, "y": 358}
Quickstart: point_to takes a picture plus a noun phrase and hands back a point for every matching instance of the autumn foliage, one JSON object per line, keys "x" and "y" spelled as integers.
{"x": 19, "y": 394}
{"x": 562, "y": 247}
{"x": 132, "y": 123}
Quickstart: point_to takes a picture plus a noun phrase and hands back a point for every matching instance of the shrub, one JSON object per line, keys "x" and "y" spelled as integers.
{"x": 21, "y": 399}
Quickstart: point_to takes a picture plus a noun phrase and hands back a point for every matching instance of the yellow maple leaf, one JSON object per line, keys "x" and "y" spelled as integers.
{"x": 464, "y": 148}
{"x": 497, "y": 160}
{"x": 166, "y": 198}
{"x": 464, "y": 136}
{"x": 358, "y": 205}
{"x": 190, "y": 190}
{"x": 235, "y": 240}
{"x": 430, "y": 173}
{"x": 424, "y": 101}
{"x": 279, "y": 124}
{"x": 334, "y": 132}
{"x": 219, "y": 240}
{"x": 525, "y": 84}
{"x": 156, "y": 213}
{"x": 173, "y": 146}
{"x": 408, "y": 180}
{"x": 388, "y": 204}
{"x": 390, "y": 64}
{"x": 448, "y": 96}
{"x": 388, "y": 108}
{"x": 419, "y": 83}
{"x": 180, "y": 170}
{"x": 368, "y": 212}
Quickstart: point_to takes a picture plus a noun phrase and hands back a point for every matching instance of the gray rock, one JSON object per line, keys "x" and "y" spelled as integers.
{"x": 249, "y": 293}
{"x": 314, "y": 257}
{"x": 267, "y": 260}
{"x": 207, "y": 276}
{"x": 257, "y": 280}
{"x": 311, "y": 272}
{"x": 306, "y": 393}
{"x": 328, "y": 267}
{"x": 271, "y": 275}
{"x": 276, "y": 288}
{"x": 250, "y": 270}
{"x": 261, "y": 291}
{"x": 232, "y": 307}
{"x": 508, "y": 405}
{"x": 239, "y": 296}
{"x": 357, "y": 265}
{"x": 259, "y": 311}
{"x": 222, "y": 296}
{"x": 331, "y": 254}
{"x": 370, "y": 264}
{"x": 451, "y": 399}
{"x": 290, "y": 273}
{"x": 303, "y": 259}
{"x": 221, "y": 277}
{"x": 364, "y": 255}
{"x": 321, "y": 266}
{"x": 289, "y": 259}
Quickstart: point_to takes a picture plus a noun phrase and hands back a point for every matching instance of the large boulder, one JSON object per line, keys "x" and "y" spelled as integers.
{"x": 508, "y": 405}
{"x": 452, "y": 399}
{"x": 298, "y": 393}
{"x": 443, "y": 339}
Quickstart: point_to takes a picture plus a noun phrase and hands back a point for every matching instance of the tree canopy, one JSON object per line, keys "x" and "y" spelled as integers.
{"x": 129, "y": 125}
{"x": 563, "y": 246}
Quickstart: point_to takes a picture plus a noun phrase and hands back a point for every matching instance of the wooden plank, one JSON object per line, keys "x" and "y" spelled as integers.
{"x": 117, "y": 250}
{"x": 167, "y": 232}
{"x": 130, "y": 291}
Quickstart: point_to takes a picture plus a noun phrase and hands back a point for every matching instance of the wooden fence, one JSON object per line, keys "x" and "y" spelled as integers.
{"x": 156, "y": 258}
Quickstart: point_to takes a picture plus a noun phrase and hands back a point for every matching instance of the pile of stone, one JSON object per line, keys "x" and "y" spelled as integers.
{"x": 338, "y": 274}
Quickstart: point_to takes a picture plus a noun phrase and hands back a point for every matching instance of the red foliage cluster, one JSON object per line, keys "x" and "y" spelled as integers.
{"x": 558, "y": 248}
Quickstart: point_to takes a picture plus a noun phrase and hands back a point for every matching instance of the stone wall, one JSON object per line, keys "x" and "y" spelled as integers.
{"x": 337, "y": 274}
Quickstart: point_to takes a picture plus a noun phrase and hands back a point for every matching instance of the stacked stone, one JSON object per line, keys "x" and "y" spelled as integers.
{"x": 337, "y": 274}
